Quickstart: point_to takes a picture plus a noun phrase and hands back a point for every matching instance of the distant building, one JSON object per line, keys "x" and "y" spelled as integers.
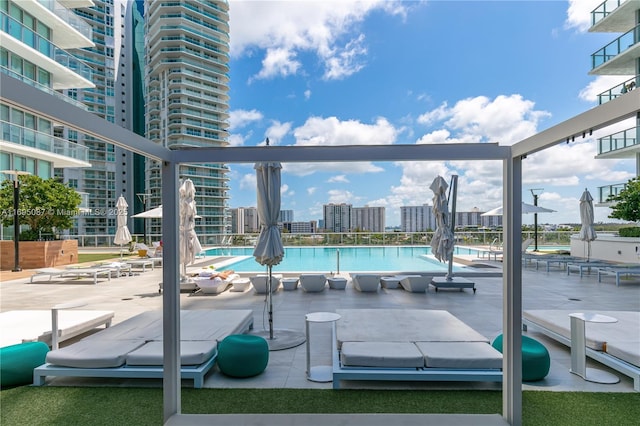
{"x": 469, "y": 219}
{"x": 417, "y": 218}
{"x": 337, "y": 217}
{"x": 244, "y": 220}
{"x": 368, "y": 219}
{"x": 310, "y": 227}
{"x": 285, "y": 216}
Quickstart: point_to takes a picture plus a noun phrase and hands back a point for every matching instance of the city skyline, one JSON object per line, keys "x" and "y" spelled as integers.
{"x": 318, "y": 74}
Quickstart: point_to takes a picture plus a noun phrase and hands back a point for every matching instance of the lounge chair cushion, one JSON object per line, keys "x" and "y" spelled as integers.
{"x": 628, "y": 351}
{"x": 191, "y": 353}
{"x": 381, "y": 354}
{"x": 94, "y": 353}
{"x": 460, "y": 355}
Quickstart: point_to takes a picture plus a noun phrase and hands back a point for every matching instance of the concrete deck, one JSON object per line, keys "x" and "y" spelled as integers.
{"x": 128, "y": 296}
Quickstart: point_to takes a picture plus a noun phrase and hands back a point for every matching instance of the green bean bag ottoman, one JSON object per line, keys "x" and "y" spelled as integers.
{"x": 535, "y": 358}
{"x": 18, "y": 361}
{"x": 243, "y": 355}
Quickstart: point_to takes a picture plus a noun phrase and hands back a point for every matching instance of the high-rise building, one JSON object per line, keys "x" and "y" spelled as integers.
{"x": 472, "y": 218}
{"x": 309, "y": 227}
{"x": 337, "y": 217}
{"x": 369, "y": 219}
{"x": 35, "y": 42}
{"x": 244, "y": 220}
{"x": 619, "y": 57}
{"x": 417, "y": 218}
{"x": 187, "y": 98}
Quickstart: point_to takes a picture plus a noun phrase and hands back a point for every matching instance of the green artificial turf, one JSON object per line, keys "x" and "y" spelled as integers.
{"x": 143, "y": 406}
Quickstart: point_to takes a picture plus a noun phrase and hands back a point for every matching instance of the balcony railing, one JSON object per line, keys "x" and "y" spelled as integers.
{"x": 69, "y": 17}
{"x": 600, "y": 12}
{"x": 618, "y": 90}
{"x": 620, "y": 140}
{"x": 616, "y": 47}
{"x": 45, "y": 142}
{"x": 605, "y": 192}
{"x": 27, "y": 36}
{"x": 44, "y": 88}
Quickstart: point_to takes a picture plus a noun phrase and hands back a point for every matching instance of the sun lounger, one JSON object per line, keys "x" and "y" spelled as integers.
{"x": 618, "y": 273}
{"x": 366, "y": 283}
{"x": 143, "y": 263}
{"x": 119, "y": 268}
{"x": 50, "y": 272}
{"x": 259, "y": 282}
{"x": 35, "y": 325}
{"x": 413, "y": 345}
{"x": 415, "y": 283}
{"x": 73, "y": 272}
{"x": 616, "y": 345}
{"x": 134, "y": 348}
{"x": 587, "y": 266}
{"x": 313, "y": 283}
{"x": 217, "y": 285}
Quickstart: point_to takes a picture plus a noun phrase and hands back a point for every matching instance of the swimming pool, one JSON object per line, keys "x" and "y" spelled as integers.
{"x": 352, "y": 259}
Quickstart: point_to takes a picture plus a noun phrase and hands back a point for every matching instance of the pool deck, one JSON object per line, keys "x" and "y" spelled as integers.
{"x": 129, "y": 296}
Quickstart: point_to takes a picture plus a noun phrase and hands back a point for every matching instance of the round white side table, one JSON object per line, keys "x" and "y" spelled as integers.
{"x": 578, "y": 348}
{"x": 319, "y": 373}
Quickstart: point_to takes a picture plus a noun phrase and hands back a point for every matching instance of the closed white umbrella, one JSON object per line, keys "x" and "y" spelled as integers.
{"x": 269, "y": 250}
{"x": 443, "y": 242}
{"x": 587, "y": 231}
{"x": 123, "y": 236}
{"x": 189, "y": 243}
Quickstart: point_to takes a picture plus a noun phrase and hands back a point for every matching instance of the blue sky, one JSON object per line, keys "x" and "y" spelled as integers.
{"x": 385, "y": 72}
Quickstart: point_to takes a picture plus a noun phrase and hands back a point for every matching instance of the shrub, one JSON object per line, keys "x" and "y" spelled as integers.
{"x": 630, "y": 232}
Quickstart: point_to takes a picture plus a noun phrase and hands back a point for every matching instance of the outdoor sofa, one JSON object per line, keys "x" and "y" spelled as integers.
{"x": 134, "y": 347}
{"x": 616, "y": 345}
{"x": 410, "y": 345}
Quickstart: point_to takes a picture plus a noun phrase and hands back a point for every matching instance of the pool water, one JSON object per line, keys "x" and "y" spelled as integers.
{"x": 352, "y": 259}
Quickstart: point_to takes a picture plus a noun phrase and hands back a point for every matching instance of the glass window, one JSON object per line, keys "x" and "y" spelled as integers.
{"x": 44, "y": 169}
{"x": 19, "y": 163}
{"x": 4, "y": 58}
{"x": 5, "y": 161}
{"x": 44, "y": 77}
{"x": 44, "y": 31}
{"x": 16, "y": 12}
{"x": 31, "y": 165}
{"x": 29, "y": 70}
{"x": 29, "y": 121}
{"x": 44, "y": 126}
{"x": 16, "y": 64}
{"x": 17, "y": 117}
{"x": 4, "y": 5}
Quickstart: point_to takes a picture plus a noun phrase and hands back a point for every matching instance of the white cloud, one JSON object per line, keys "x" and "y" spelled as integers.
{"x": 311, "y": 190}
{"x": 331, "y": 131}
{"x": 601, "y": 84}
{"x": 277, "y": 131}
{"x": 307, "y": 94}
{"x": 248, "y": 181}
{"x": 338, "y": 179}
{"x": 579, "y": 14}
{"x": 240, "y": 118}
{"x": 236, "y": 140}
{"x": 283, "y": 29}
{"x": 337, "y": 196}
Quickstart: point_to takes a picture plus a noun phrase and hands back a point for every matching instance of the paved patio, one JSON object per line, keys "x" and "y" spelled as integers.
{"x": 128, "y": 296}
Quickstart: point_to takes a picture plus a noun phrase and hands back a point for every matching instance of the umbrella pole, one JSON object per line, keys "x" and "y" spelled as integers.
{"x": 270, "y": 297}
{"x": 454, "y": 192}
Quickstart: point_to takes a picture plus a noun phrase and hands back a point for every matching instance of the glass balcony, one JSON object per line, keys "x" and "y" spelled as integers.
{"x": 600, "y": 12}
{"x": 44, "y": 88}
{"x": 44, "y": 46}
{"x": 605, "y": 192}
{"x": 616, "y": 47}
{"x": 69, "y": 17}
{"x": 45, "y": 142}
{"x": 620, "y": 140}
{"x": 618, "y": 90}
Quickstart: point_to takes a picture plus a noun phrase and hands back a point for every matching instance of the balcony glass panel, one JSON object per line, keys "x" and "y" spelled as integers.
{"x": 604, "y": 192}
{"x": 618, "y": 90}
{"x": 34, "y": 139}
{"x": 616, "y": 47}
{"x": 600, "y": 12}
{"x": 617, "y": 141}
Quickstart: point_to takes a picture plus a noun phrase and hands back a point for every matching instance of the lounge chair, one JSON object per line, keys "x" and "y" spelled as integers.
{"x": 618, "y": 272}
{"x": 415, "y": 283}
{"x": 50, "y": 272}
{"x": 134, "y": 347}
{"x": 366, "y": 283}
{"x": 259, "y": 282}
{"x": 313, "y": 283}
{"x": 216, "y": 285}
{"x": 413, "y": 344}
{"x": 587, "y": 265}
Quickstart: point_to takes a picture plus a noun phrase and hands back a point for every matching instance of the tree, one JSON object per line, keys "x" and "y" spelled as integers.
{"x": 627, "y": 202}
{"x": 44, "y": 205}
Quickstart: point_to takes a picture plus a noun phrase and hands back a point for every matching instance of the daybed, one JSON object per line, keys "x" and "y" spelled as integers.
{"x": 35, "y": 325}
{"x": 133, "y": 348}
{"x": 366, "y": 283}
{"x": 217, "y": 285}
{"x": 616, "y": 345}
{"x": 415, "y": 283}
{"x": 618, "y": 273}
{"x": 410, "y": 345}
